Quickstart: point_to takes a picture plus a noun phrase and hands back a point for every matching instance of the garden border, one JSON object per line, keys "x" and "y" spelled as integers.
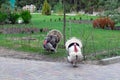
{"x": 105, "y": 61}
{"x": 111, "y": 60}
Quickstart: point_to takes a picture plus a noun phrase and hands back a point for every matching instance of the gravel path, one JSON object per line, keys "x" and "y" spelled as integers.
{"x": 20, "y": 69}
{"x": 40, "y": 67}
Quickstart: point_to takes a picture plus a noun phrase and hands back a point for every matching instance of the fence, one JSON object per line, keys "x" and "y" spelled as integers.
{"x": 31, "y": 39}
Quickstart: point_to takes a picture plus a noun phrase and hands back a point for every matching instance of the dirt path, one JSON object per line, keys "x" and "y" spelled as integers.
{"x": 4, "y": 52}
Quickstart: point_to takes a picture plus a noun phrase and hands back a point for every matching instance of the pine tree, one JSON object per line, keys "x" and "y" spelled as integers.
{"x": 46, "y": 10}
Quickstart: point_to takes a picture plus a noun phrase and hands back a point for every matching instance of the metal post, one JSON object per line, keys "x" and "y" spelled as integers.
{"x": 64, "y": 27}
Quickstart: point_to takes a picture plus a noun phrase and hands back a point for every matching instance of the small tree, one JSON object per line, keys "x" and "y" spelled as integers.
{"x": 46, "y": 10}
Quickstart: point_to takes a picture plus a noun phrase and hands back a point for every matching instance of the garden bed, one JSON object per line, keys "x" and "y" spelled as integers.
{"x": 16, "y": 30}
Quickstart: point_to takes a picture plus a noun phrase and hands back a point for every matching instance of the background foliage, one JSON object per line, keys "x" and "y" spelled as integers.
{"x": 73, "y": 5}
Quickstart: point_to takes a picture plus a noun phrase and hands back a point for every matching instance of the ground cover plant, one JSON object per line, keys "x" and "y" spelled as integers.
{"x": 96, "y": 42}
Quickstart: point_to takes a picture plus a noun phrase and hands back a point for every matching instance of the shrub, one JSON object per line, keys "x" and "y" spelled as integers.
{"x": 26, "y": 16}
{"x": 3, "y": 17}
{"x": 13, "y": 17}
{"x": 103, "y": 22}
{"x": 46, "y": 10}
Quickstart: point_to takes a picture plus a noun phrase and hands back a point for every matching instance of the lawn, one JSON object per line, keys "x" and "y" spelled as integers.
{"x": 95, "y": 41}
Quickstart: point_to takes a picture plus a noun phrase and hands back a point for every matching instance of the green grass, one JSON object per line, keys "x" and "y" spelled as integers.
{"x": 94, "y": 40}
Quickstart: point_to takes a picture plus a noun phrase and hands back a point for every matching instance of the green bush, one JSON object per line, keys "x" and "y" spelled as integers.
{"x": 26, "y": 16}
{"x": 46, "y": 10}
{"x": 3, "y": 17}
{"x": 13, "y": 17}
